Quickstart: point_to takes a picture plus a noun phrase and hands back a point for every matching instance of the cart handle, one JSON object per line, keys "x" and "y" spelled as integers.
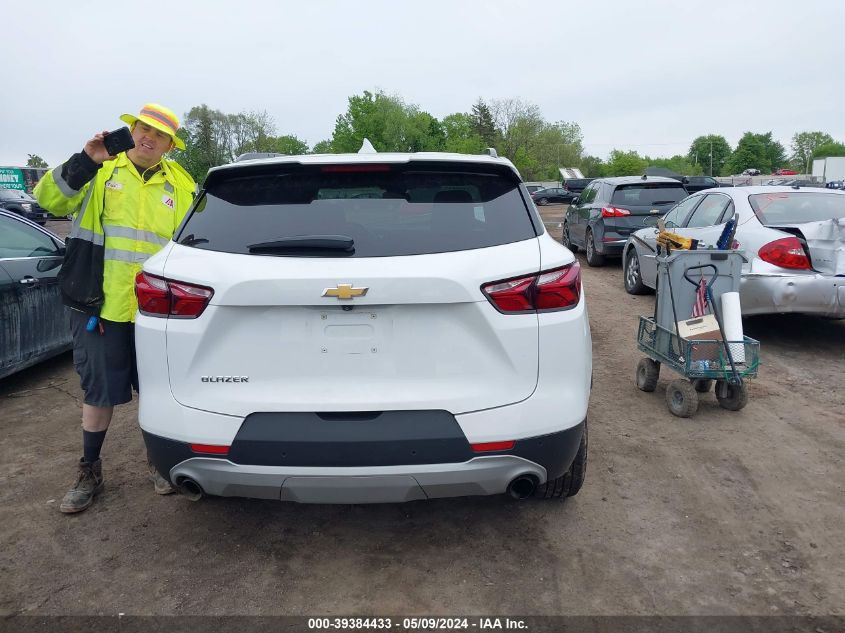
{"x": 695, "y": 282}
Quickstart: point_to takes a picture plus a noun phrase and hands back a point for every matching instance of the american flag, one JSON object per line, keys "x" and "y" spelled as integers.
{"x": 699, "y": 308}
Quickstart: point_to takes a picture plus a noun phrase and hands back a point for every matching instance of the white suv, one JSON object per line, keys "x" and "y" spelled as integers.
{"x": 364, "y": 328}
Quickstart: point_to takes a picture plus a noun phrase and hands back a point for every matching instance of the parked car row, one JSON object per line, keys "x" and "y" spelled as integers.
{"x": 20, "y": 202}
{"x": 610, "y": 209}
{"x": 566, "y": 193}
{"x": 791, "y": 238}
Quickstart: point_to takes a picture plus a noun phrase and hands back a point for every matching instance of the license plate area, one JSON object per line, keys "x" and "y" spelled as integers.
{"x": 357, "y": 331}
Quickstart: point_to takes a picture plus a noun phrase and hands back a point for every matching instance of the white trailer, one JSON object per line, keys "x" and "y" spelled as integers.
{"x": 831, "y": 168}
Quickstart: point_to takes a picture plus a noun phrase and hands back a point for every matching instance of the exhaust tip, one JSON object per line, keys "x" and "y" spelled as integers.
{"x": 522, "y": 487}
{"x": 190, "y": 489}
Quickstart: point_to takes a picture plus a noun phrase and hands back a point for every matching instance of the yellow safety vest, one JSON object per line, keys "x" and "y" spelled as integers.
{"x": 121, "y": 221}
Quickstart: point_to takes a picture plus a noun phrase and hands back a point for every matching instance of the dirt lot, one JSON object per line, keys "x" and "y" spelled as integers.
{"x": 724, "y": 513}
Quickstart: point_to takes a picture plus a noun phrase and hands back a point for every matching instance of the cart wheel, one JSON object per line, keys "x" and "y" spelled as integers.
{"x": 702, "y": 385}
{"x": 648, "y": 371}
{"x": 682, "y": 398}
{"x": 731, "y": 397}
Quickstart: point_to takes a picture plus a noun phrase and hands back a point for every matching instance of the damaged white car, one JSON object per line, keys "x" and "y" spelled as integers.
{"x": 793, "y": 240}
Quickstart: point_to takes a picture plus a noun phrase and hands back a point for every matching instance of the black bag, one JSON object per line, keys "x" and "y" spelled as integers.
{"x": 81, "y": 276}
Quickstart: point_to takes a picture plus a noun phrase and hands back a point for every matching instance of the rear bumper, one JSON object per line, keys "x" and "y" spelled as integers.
{"x": 821, "y": 295}
{"x": 611, "y": 246}
{"x": 543, "y": 458}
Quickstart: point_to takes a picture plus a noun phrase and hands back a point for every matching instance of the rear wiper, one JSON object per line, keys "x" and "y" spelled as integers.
{"x": 663, "y": 202}
{"x": 305, "y": 242}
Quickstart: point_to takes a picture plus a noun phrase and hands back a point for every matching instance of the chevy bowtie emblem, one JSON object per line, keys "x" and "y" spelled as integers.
{"x": 344, "y": 291}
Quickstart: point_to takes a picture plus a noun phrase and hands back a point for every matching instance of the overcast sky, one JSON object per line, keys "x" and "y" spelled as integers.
{"x": 648, "y": 75}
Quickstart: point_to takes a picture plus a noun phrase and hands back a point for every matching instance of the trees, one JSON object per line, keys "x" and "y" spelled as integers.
{"x": 711, "y": 152}
{"x": 389, "y": 123}
{"x": 483, "y": 124}
{"x": 626, "y": 164}
{"x": 35, "y": 160}
{"x": 537, "y": 148}
{"x": 758, "y": 151}
{"x": 804, "y": 145}
{"x": 214, "y": 138}
{"x": 461, "y": 132}
{"x": 749, "y": 153}
{"x": 829, "y": 149}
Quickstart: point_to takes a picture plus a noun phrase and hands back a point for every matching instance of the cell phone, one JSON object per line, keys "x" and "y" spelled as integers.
{"x": 118, "y": 141}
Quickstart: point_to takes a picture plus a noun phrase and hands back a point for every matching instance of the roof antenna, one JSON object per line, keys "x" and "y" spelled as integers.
{"x": 367, "y": 147}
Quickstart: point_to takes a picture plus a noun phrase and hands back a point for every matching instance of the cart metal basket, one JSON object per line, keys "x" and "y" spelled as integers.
{"x": 698, "y": 358}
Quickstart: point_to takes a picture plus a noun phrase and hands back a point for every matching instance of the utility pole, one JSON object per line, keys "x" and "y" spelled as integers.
{"x": 711, "y": 157}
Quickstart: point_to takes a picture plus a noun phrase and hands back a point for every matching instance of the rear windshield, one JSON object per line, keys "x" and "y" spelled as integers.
{"x": 648, "y": 194}
{"x": 385, "y": 211}
{"x": 797, "y": 207}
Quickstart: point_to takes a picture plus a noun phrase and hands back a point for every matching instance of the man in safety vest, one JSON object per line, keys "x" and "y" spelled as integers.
{"x": 125, "y": 208}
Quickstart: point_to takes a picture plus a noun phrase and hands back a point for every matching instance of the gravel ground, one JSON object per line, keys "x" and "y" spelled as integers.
{"x": 724, "y": 513}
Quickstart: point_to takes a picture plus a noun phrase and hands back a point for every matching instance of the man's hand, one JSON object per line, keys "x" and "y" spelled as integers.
{"x": 95, "y": 149}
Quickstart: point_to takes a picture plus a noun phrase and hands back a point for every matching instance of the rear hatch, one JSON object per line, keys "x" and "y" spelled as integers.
{"x": 352, "y": 288}
{"x": 631, "y": 202}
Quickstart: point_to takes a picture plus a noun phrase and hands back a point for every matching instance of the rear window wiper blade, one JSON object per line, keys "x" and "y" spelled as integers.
{"x": 664, "y": 202}
{"x": 305, "y": 242}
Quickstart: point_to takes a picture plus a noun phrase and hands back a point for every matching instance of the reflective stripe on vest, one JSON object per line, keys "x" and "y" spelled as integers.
{"x": 61, "y": 183}
{"x": 131, "y": 257}
{"x": 112, "y": 230}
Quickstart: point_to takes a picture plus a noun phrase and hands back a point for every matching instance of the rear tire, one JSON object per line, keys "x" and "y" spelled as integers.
{"x": 648, "y": 372}
{"x": 632, "y": 275}
{"x": 566, "y": 240}
{"x": 682, "y": 398}
{"x": 542, "y": 202}
{"x": 568, "y": 484}
{"x": 593, "y": 257}
{"x": 731, "y": 397}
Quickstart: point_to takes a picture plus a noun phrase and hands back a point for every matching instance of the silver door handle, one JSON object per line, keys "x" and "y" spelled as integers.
{"x": 29, "y": 281}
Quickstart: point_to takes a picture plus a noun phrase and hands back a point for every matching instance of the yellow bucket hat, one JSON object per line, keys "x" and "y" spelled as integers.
{"x": 159, "y": 117}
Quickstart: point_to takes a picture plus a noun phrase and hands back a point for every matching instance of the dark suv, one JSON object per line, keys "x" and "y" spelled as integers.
{"x": 22, "y": 203}
{"x": 576, "y": 185}
{"x": 610, "y": 209}
{"x": 699, "y": 183}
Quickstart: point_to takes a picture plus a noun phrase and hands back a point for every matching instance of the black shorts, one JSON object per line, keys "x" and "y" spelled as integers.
{"x": 104, "y": 360}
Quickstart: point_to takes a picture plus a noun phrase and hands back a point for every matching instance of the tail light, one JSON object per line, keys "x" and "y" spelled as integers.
{"x": 614, "y": 212}
{"x": 354, "y": 168}
{"x": 160, "y": 297}
{"x": 547, "y": 291}
{"x": 786, "y": 253}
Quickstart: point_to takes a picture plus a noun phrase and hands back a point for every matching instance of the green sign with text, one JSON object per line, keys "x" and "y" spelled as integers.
{"x": 11, "y": 178}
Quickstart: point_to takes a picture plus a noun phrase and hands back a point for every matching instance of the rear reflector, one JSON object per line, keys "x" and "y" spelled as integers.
{"x": 614, "y": 212}
{"x": 160, "y": 297}
{"x": 786, "y": 253}
{"x": 353, "y": 169}
{"x": 488, "y": 447}
{"x": 547, "y": 291}
{"x": 210, "y": 449}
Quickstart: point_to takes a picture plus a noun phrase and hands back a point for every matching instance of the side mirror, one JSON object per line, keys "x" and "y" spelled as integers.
{"x": 685, "y": 180}
{"x": 576, "y": 200}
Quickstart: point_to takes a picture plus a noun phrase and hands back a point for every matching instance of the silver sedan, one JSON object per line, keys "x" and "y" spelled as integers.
{"x": 792, "y": 238}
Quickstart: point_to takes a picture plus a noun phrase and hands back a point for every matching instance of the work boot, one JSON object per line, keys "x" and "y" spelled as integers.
{"x": 89, "y": 483}
{"x": 162, "y": 486}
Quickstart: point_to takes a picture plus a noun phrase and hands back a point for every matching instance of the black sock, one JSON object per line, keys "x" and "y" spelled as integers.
{"x": 92, "y": 442}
